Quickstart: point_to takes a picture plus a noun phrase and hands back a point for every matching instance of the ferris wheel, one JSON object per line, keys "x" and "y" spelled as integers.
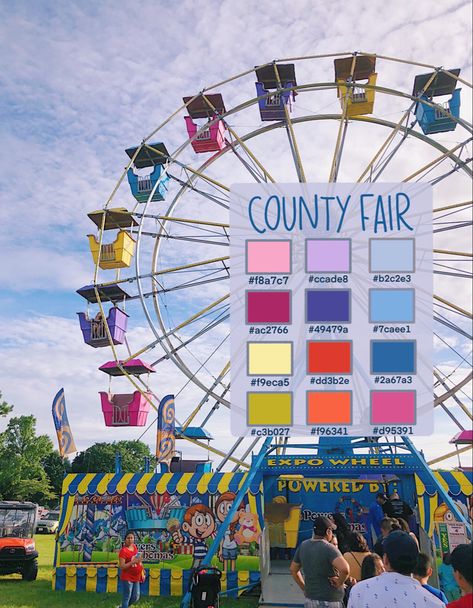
{"x": 161, "y": 248}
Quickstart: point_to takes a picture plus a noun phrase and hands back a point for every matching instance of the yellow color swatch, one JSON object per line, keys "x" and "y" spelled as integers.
{"x": 269, "y": 409}
{"x": 270, "y": 358}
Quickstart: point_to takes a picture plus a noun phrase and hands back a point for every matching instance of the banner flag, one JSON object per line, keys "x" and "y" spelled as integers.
{"x": 165, "y": 440}
{"x": 63, "y": 430}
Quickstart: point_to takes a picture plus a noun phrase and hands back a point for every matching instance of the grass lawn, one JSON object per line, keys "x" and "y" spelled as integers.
{"x": 14, "y": 593}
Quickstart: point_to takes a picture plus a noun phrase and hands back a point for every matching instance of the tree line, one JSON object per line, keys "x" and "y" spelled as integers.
{"x": 32, "y": 469}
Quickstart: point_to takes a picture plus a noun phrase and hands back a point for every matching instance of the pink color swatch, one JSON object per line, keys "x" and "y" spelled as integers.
{"x": 268, "y": 307}
{"x": 268, "y": 256}
{"x": 393, "y": 407}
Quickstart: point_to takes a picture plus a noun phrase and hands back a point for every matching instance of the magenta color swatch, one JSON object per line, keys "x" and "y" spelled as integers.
{"x": 268, "y": 306}
{"x": 393, "y": 407}
{"x": 268, "y": 256}
{"x": 328, "y": 255}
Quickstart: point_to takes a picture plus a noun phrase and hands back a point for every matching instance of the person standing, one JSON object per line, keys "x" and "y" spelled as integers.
{"x": 319, "y": 568}
{"x": 395, "y": 507}
{"x": 462, "y": 563}
{"x": 448, "y": 583}
{"x": 388, "y": 524}
{"x": 395, "y": 587}
{"x": 377, "y": 513}
{"x": 358, "y": 551}
{"x": 423, "y": 571}
{"x": 131, "y": 571}
{"x": 372, "y": 566}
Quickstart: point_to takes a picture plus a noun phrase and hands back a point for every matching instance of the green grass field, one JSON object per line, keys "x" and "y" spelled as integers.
{"x": 14, "y": 593}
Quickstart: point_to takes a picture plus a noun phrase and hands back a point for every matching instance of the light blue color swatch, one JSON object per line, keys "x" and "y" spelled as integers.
{"x": 392, "y": 305}
{"x": 392, "y": 255}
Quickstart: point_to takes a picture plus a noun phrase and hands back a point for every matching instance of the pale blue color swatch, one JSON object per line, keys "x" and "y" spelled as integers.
{"x": 392, "y": 305}
{"x": 392, "y": 255}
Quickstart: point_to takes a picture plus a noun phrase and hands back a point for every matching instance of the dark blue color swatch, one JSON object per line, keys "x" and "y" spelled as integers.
{"x": 393, "y": 357}
{"x": 327, "y": 306}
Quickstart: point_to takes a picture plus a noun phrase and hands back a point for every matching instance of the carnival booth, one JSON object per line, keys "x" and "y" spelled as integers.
{"x": 170, "y": 513}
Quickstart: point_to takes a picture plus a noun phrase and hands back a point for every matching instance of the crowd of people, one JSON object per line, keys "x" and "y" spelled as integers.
{"x": 336, "y": 569}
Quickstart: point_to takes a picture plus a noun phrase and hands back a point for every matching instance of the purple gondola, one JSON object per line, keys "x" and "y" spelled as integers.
{"x": 95, "y": 332}
{"x": 272, "y": 106}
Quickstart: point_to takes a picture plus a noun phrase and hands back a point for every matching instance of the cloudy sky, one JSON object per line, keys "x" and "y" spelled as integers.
{"x": 82, "y": 81}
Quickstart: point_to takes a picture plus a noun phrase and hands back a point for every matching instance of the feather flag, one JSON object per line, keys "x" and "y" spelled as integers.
{"x": 63, "y": 430}
{"x": 165, "y": 440}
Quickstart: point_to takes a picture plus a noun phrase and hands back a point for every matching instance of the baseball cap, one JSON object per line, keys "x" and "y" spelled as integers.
{"x": 400, "y": 546}
{"x": 322, "y": 524}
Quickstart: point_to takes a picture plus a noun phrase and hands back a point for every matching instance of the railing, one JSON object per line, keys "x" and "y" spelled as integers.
{"x": 440, "y": 113}
{"x": 97, "y": 329}
{"x": 358, "y": 95}
{"x": 204, "y": 135}
{"x": 273, "y": 100}
{"x": 121, "y": 416}
{"x": 107, "y": 253}
{"x": 264, "y": 556}
{"x": 144, "y": 183}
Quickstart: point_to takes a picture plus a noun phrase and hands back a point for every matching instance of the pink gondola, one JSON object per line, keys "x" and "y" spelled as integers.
{"x": 130, "y": 409}
{"x": 212, "y": 136}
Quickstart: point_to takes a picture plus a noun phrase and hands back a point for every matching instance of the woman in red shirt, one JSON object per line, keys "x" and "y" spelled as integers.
{"x": 131, "y": 571}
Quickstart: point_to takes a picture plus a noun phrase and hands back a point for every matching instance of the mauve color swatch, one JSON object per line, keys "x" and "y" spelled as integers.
{"x": 327, "y": 305}
{"x": 268, "y": 306}
{"x": 328, "y": 255}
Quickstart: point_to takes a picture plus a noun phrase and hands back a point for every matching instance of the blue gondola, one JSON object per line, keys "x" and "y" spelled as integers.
{"x": 154, "y": 156}
{"x": 441, "y": 118}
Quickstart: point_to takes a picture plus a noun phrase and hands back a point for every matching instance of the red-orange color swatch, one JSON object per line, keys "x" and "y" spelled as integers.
{"x": 329, "y": 358}
{"x": 329, "y": 407}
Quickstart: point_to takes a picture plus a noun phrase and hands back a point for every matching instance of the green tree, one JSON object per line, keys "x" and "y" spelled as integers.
{"x": 100, "y": 457}
{"x": 5, "y": 409}
{"x": 22, "y": 452}
{"x": 55, "y": 468}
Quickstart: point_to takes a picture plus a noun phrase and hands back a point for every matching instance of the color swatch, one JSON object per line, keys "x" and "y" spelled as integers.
{"x": 328, "y": 305}
{"x": 392, "y": 305}
{"x": 392, "y": 255}
{"x": 268, "y": 307}
{"x": 329, "y": 407}
{"x": 393, "y": 356}
{"x": 269, "y": 358}
{"x": 269, "y": 409}
{"x": 328, "y": 255}
{"x": 393, "y": 407}
{"x": 329, "y": 357}
{"x": 265, "y": 257}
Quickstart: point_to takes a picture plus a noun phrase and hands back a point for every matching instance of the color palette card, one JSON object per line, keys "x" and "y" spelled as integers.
{"x": 331, "y": 309}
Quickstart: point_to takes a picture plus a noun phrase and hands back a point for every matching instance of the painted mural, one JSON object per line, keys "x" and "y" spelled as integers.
{"x": 173, "y": 529}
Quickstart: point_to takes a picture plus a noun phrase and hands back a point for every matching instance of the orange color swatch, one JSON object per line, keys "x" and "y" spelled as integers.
{"x": 329, "y": 407}
{"x": 329, "y": 357}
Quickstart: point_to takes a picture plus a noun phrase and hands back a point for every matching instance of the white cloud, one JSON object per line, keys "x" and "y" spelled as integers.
{"x": 83, "y": 81}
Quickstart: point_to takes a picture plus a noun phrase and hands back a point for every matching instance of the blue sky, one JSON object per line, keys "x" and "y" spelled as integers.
{"x": 82, "y": 81}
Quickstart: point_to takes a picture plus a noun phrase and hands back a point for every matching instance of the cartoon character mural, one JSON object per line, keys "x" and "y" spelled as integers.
{"x": 228, "y": 550}
{"x": 199, "y": 524}
{"x": 249, "y": 530}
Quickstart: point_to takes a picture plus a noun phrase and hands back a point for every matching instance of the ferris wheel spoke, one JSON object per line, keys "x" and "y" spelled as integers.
{"x": 187, "y": 285}
{"x": 197, "y": 335}
{"x": 437, "y": 161}
{"x": 454, "y": 206}
{"x": 458, "y": 309}
{"x": 247, "y": 452}
{"x": 190, "y": 239}
{"x": 222, "y": 202}
{"x": 342, "y": 127}
{"x": 443, "y": 382}
{"x": 173, "y": 331}
{"x": 453, "y": 390}
{"x": 205, "y": 398}
{"x": 450, "y": 455}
